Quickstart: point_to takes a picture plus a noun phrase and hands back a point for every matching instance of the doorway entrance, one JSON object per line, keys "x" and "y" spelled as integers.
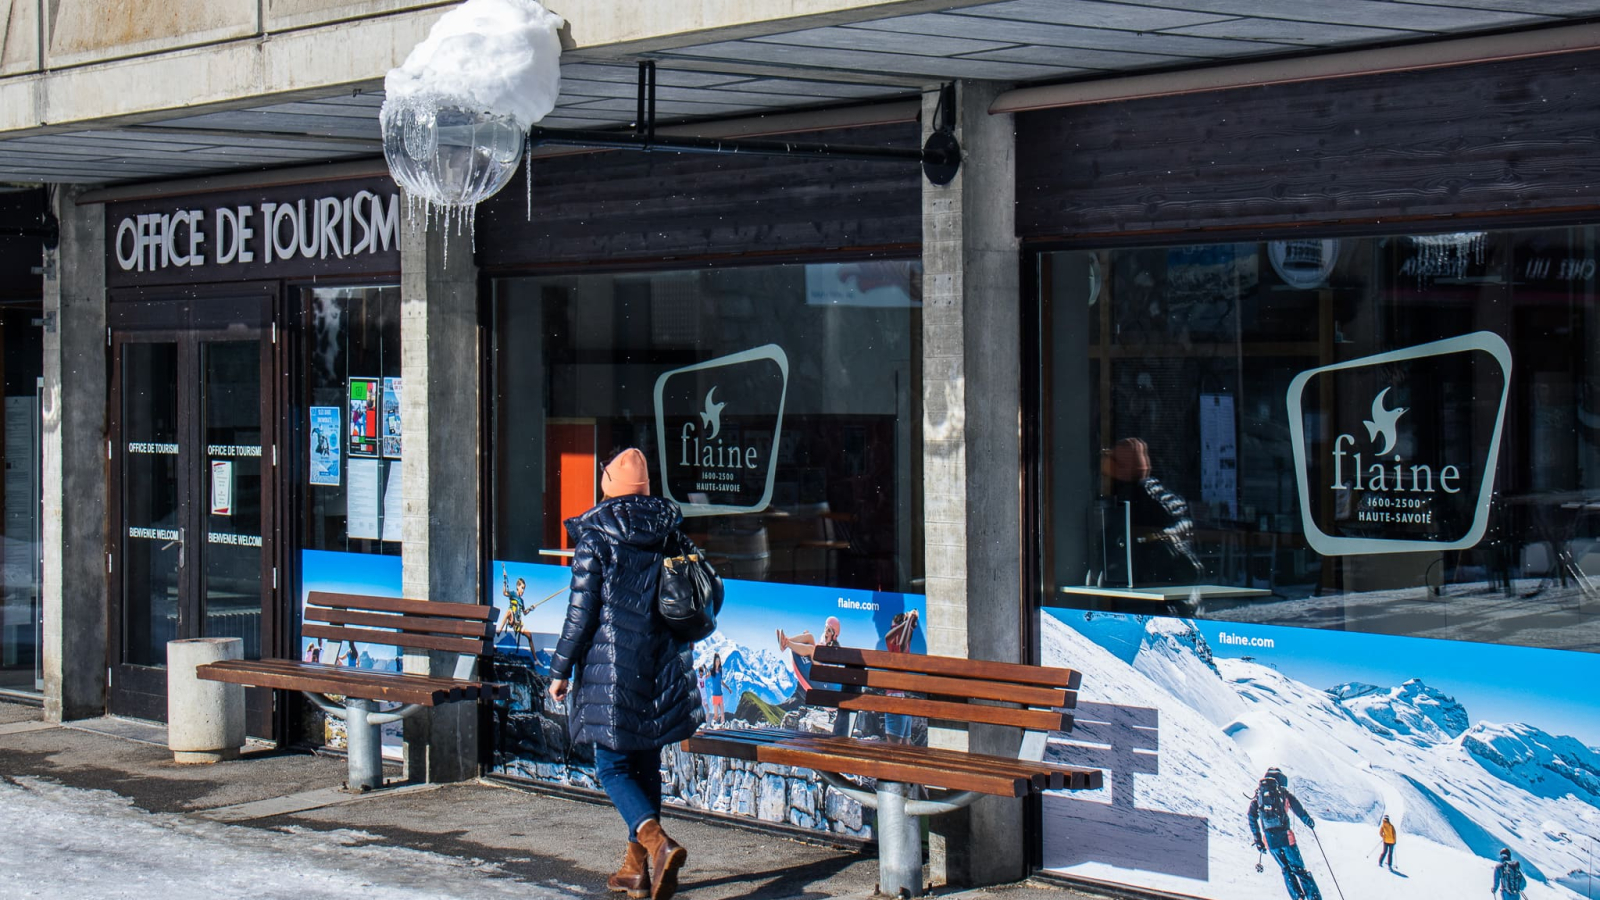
{"x": 193, "y": 453}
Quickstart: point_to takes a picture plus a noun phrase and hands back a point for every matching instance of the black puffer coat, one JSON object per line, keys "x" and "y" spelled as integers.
{"x": 636, "y": 686}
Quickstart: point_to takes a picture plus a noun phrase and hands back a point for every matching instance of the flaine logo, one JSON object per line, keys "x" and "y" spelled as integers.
{"x": 1397, "y": 452}
{"x": 702, "y": 447}
{"x": 1387, "y": 470}
{"x": 712, "y": 417}
{"x": 718, "y": 424}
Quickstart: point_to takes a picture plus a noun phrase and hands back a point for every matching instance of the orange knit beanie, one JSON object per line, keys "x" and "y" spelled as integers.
{"x": 627, "y": 474}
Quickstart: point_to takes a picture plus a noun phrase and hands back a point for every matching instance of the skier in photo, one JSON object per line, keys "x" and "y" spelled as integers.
{"x": 1386, "y": 833}
{"x": 1270, "y": 825}
{"x": 1509, "y": 882}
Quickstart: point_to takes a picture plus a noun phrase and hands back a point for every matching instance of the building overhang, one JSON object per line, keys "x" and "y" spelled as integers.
{"x": 309, "y": 92}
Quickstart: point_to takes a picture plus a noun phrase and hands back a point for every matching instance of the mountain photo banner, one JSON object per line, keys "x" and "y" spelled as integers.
{"x": 1467, "y": 748}
{"x": 753, "y": 672}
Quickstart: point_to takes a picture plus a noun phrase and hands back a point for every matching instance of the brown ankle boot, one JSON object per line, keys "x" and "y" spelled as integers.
{"x": 632, "y": 877}
{"x": 666, "y": 858}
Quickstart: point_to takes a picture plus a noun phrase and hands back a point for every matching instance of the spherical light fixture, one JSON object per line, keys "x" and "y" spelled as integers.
{"x": 456, "y": 113}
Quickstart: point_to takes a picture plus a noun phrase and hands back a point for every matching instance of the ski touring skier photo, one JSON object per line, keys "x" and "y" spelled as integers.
{"x": 1270, "y": 824}
{"x": 1509, "y": 882}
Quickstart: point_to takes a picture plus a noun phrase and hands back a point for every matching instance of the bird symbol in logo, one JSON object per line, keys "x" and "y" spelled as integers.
{"x": 712, "y": 417}
{"x": 1383, "y": 422}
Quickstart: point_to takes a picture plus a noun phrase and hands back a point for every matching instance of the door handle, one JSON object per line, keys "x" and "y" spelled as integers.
{"x": 182, "y": 544}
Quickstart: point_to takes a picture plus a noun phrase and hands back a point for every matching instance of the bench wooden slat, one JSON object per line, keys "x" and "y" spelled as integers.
{"x": 409, "y": 624}
{"x": 944, "y": 710}
{"x": 364, "y": 683}
{"x": 401, "y": 605}
{"x": 1045, "y": 775}
{"x": 1054, "y": 698}
{"x": 396, "y": 639}
{"x": 358, "y": 675}
{"x": 781, "y": 755}
{"x": 1042, "y": 775}
{"x": 986, "y": 670}
{"x": 360, "y": 679}
{"x": 399, "y": 692}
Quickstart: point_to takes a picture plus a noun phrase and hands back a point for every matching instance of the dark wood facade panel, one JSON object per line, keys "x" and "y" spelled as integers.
{"x": 626, "y": 206}
{"x": 21, "y": 254}
{"x": 1512, "y": 137}
{"x": 381, "y": 259}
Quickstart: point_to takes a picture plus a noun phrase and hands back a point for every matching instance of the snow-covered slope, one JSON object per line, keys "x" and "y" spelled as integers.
{"x": 1353, "y": 753}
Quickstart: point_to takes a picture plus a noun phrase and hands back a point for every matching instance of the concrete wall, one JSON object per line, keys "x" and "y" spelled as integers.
{"x": 439, "y": 472}
{"x": 66, "y": 63}
{"x": 972, "y": 440}
{"x": 75, "y": 465}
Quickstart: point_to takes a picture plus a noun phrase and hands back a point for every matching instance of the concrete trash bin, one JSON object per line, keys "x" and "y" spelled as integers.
{"x": 205, "y": 719}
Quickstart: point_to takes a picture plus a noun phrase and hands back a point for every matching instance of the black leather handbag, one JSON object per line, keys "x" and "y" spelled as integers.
{"x": 689, "y": 591}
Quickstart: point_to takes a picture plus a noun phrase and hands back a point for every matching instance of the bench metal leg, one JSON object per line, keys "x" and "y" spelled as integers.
{"x": 899, "y": 842}
{"x": 363, "y": 730}
{"x": 364, "y": 745}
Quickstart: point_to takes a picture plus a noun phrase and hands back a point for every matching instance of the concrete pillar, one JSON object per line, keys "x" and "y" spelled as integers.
{"x": 74, "y": 576}
{"x": 439, "y": 471}
{"x": 971, "y": 326}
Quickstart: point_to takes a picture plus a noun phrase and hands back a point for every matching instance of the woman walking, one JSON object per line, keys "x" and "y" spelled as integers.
{"x": 636, "y": 690}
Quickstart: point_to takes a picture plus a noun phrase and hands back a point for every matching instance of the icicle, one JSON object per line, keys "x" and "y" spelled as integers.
{"x": 527, "y": 178}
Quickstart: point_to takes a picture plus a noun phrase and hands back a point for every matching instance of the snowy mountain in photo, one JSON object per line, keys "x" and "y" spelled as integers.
{"x": 743, "y": 669}
{"x": 1413, "y": 712}
{"x": 1353, "y": 753}
{"x": 1537, "y": 762}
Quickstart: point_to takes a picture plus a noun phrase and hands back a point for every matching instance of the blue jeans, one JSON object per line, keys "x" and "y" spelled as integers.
{"x": 1301, "y": 885}
{"x": 633, "y": 782}
{"x": 897, "y": 726}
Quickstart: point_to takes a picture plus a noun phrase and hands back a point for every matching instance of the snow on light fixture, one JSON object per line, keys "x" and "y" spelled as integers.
{"x": 456, "y": 113}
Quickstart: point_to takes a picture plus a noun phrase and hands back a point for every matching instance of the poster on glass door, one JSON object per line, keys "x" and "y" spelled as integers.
{"x": 391, "y": 418}
{"x": 1247, "y": 762}
{"x": 324, "y": 436}
{"x": 364, "y": 412}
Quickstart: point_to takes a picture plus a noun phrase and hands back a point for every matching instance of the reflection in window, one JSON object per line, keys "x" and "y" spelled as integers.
{"x": 1395, "y": 434}
{"x": 351, "y": 383}
{"x": 790, "y": 412}
{"x": 21, "y": 625}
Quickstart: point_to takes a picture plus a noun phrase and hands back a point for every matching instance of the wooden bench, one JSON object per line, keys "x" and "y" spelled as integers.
{"x": 461, "y": 628}
{"x": 1031, "y": 698}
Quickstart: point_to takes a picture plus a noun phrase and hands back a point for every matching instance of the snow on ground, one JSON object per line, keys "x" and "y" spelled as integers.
{"x": 75, "y": 844}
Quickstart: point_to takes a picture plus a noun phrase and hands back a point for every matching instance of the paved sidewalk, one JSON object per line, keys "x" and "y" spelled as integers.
{"x": 489, "y": 836}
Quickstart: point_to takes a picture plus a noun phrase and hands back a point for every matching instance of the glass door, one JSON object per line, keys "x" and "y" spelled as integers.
{"x": 192, "y": 459}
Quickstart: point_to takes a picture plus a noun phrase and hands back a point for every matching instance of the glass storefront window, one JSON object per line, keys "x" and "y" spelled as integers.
{"x": 780, "y": 402}
{"x": 1395, "y": 435}
{"x": 20, "y": 489}
{"x": 351, "y": 374}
